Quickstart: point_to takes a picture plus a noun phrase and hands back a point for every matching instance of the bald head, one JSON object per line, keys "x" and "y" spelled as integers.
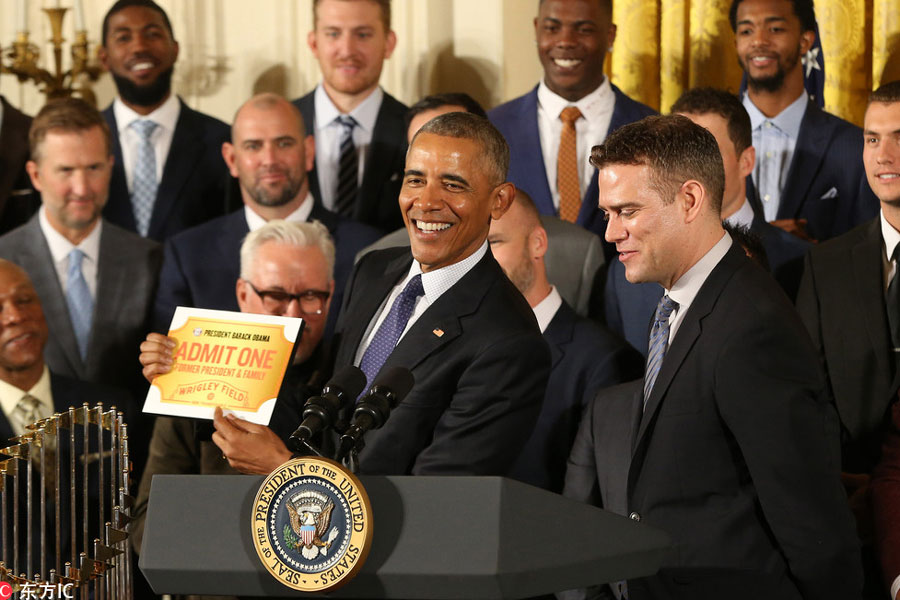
{"x": 268, "y": 101}
{"x": 519, "y": 242}
{"x": 23, "y": 330}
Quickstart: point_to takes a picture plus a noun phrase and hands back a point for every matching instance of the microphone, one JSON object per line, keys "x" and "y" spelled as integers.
{"x": 321, "y": 412}
{"x": 388, "y": 390}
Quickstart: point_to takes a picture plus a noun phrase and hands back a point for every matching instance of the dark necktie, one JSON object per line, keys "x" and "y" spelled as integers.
{"x": 391, "y": 328}
{"x": 892, "y": 303}
{"x": 348, "y": 170}
{"x": 659, "y": 342}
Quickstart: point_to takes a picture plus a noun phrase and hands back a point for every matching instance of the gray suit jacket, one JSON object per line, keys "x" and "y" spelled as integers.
{"x": 127, "y": 274}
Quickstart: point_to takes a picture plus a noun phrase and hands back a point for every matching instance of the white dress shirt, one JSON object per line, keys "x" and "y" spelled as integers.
{"x": 328, "y": 132}
{"x": 300, "y": 215}
{"x": 688, "y": 285}
{"x": 165, "y": 117}
{"x": 547, "y": 308}
{"x": 60, "y": 248}
{"x": 742, "y": 216}
{"x": 435, "y": 283}
{"x": 596, "y": 110}
{"x": 10, "y": 396}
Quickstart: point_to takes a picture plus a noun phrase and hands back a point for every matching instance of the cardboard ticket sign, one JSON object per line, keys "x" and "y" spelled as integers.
{"x": 229, "y": 359}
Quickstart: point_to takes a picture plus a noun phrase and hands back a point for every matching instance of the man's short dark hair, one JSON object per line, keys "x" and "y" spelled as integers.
{"x": 384, "y": 5}
{"x": 674, "y": 148}
{"x": 750, "y": 242}
{"x": 123, "y": 4}
{"x": 606, "y": 5}
{"x": 495, "y": 150}
{"x": 706, "y": 100}
{"x": 65, "y": 115}
{"x": 438, "y": 100}
{"x": 887, "y": 93}
{"x": 803, "y": 9}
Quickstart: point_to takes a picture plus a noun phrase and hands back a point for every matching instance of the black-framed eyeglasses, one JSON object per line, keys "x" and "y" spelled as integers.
{"x": 312, "y": 302}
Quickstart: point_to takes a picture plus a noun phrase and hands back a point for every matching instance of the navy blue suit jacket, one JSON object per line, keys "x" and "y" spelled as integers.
{"x": 376, "y": 203}
{"x": 192, "y": 188}
{"x": 628, "y": 308}
{"x": 585, "y": 358}
{"x": 201, "y": 265}
{"x": 517, "y": 121}
{"x": 826, "y": 182}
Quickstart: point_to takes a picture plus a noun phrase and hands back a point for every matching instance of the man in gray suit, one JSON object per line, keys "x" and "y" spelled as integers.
{"x": 95, "y": 280}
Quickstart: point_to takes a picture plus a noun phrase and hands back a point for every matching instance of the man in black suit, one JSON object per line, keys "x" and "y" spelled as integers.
{"x": 270, "y": 156}
{"x": 169, "y": 173}
{"x": 809, "y": 179}
{"x": 446, "y": 312}
{"x": 845, "y": 301}
{"x": 17, "y": 200}
{"x": 586, "y": 356}
{"x": 731, "y": 447}
{"x": 359, "y": 129}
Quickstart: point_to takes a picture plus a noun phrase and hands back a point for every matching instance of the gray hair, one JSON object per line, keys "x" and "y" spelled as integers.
{"x": 279, "y": 231}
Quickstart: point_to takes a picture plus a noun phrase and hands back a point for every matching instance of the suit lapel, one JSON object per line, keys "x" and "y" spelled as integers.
{"x": 185, "y": 152}
{"x": 867, "y": 276}
{"x": 532, "y": 160}
{"x": 559, "y": 333}
{"x": 307, "y": 106}
{"x": 380, "y": 157}
{"x": 324, "y": 216}
{"x": 812, "y": 141}
{"x": 113, "y": 266}
{"x": 118, "y": 209}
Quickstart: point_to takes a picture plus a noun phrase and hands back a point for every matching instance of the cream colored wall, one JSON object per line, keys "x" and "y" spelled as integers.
{"x": 233, "y": 48}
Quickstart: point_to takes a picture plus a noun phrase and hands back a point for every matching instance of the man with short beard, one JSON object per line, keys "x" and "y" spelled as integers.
{"x": 270, "y": 155}
{"x": 809, "y": 178}
{"x": 168, "y": 173}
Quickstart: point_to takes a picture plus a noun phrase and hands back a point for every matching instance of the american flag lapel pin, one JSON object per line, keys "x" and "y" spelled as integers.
{"x": 438, "y": 332}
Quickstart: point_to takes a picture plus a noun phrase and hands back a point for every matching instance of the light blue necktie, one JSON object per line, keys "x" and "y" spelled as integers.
{"x": 81, "y": 304}
{"x": 143, "y": 181}
{"x": 659, "y": 342}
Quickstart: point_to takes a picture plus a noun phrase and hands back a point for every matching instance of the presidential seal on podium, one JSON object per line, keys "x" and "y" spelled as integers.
{"x": 312, "y": 524}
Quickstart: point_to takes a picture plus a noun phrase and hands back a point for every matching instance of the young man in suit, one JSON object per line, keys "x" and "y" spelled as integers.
{"x": 169, "y": 173}
{"x": 850, "y": 304}
{"x": 809, "y": 179}
{"x": 586, "y": 357}
{"x": 96, "y": 281}
{"x": 731, "y": 446}
{"x": 270, "y": 155}
{"x": 549, "y": 142}
{"x": 358, "y": 127}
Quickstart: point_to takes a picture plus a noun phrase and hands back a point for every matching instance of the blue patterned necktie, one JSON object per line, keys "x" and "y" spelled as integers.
{"x": 348, "y": 169}
{"x": 81, "y": 304}
{"x": 143, "y": 181}
{"x": 391, "y": 328}
{"x": 659, "y": 342}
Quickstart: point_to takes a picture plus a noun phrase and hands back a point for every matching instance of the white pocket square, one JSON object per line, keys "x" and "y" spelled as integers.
{"x": 832, "y": 193}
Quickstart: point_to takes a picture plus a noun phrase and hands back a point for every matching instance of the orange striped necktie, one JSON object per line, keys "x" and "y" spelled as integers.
{"x": 567, "y": 166}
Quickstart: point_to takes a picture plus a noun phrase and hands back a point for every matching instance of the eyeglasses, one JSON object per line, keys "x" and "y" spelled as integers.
{"x": 312, "y": 302}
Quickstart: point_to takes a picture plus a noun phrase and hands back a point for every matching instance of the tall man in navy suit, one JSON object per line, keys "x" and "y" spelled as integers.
{"x": 809, "y": 177}
{"x": 169, "y": 173}
{"x": 359, "y": 129}
{"x": 572, "y": 37}
{"x": 731, "y": 446}
{"x": 586, "y": 357}
{"x": 270, "y": 156}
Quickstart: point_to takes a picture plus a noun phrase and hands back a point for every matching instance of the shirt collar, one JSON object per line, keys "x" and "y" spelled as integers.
{"x": 547, "y": 308}
{"x": 60, "y": 246}
{"x": 787, "y": 121}
{"x": 364, "y": 114}
{"x": 591, "y": 106}
{"x": 688, "y": 285}
{"x": 889, "y": 235}
{"x": 436, "y": 282}
{"x": 743, "y": 216}
{"x": 10, "y": 396}
{"x": 300, "y": 215}
{"x": 166, "y": 116}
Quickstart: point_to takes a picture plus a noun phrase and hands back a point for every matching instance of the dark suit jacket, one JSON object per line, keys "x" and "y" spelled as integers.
{"x": 202, "y": 264}
{"x": 841, "y": 302}
{"x": 376, "y": 204}
{"x": 480, "y": 366}
{"x": 127, "y": 274}
{"x": 517, "y": 121}
{"x": 18, "y": 201}
{"x": 735, "y": 454}
{"x": 826, "y": 183}
{"x": 886, "y": 500}
{"x": 192, "y": 188}
{"x": 627, "y": 308}
{"x": 585, "y": 358}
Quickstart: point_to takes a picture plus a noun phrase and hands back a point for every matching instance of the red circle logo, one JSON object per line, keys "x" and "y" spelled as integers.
{"x": 5, "y": 590}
